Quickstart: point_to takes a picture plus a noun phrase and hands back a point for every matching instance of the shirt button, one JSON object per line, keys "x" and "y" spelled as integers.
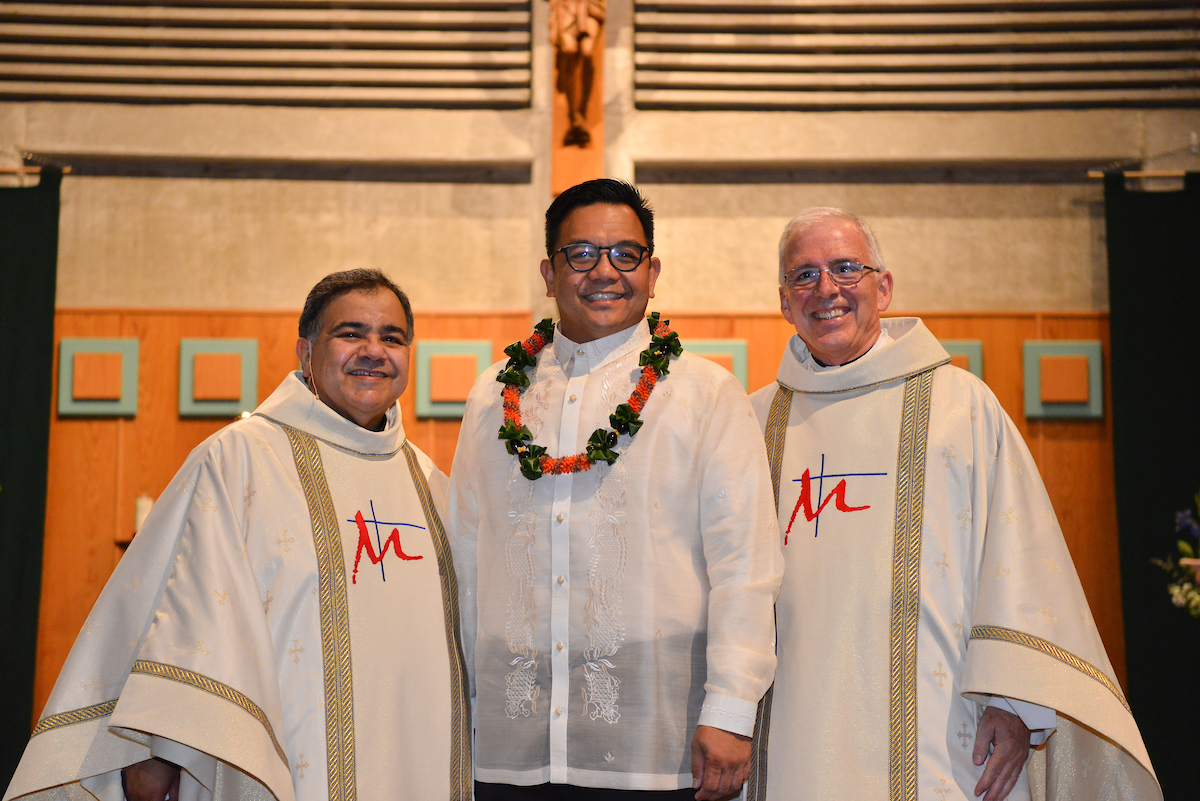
{"x": 573, "y": 399}
{"x": 559, "y": 518}
{"x": 558, "y": 710}
{"x": 579, "y": 352}
{"x": 559, "y": 646}
{"x": 560, "y": 579}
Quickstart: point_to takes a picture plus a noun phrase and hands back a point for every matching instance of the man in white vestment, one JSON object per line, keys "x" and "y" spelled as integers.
{"x": 285, "y": 624}
{"x": 612, "y": 524}
{"x": 931, "y": 625}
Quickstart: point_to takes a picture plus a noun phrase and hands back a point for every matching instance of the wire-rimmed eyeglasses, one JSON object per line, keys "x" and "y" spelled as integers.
{"x": 842, "y": 273}
{"x": 584, "y": 256}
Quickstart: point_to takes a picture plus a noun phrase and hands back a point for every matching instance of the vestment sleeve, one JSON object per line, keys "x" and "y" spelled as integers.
{"x": 1032, "y": 636}
{"x": 745, "y": 566}
{"x": 76, "y": 750}
{"x": 206, "y": 675}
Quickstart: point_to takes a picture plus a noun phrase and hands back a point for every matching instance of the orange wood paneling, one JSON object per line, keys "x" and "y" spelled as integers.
{"x": 96, "y": 376}
{"x": 451, "y": 376}
{"x": 216, "y": 376}
{"x": 1076, "y": 461}
{"x": 99, "y": 466}
{"x": 1064, "y": 379}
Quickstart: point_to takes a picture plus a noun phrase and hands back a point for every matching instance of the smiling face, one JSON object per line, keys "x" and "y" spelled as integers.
{"x": 358, "y": 365}
{"x": 837, "y": 323}
{"x": 603, "y": 300}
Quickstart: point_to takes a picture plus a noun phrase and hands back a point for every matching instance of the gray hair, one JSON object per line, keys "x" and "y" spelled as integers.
{"x": 822, "y": 214}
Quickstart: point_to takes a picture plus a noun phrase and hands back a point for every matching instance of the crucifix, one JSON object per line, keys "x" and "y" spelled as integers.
{"x": 577, "y": 129}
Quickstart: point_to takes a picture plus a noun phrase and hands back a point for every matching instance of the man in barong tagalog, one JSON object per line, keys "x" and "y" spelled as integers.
{"x": 931, "y": 624}
{"x": 285, "y": 624}
{"x": 611, "y": 520}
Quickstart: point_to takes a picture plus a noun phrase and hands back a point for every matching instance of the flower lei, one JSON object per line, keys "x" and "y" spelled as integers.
{"x": 533, "y": 460}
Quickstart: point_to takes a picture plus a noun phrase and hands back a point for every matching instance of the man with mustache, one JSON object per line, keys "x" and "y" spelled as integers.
{"x": 285, "y": 624}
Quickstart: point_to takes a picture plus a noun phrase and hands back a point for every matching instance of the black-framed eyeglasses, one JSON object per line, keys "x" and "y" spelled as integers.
{"x": 584, "y": 256}
{"x": 842, "y": 273}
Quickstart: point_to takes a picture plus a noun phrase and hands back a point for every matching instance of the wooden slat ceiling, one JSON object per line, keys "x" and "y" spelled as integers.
{"x": 371, "y": 53}
{"x": 912, "y": 55}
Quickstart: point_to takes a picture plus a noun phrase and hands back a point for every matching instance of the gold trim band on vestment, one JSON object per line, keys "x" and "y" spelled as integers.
{"x": 81, "y": 715}
{"x": 462, "y": 783}
{"x": 1048, "y": 648}
{"x": 906, "y": 600}
{"x": 335, "y": 616}
{"x": 219, "y": 689}
{"x": 775, "y": 436}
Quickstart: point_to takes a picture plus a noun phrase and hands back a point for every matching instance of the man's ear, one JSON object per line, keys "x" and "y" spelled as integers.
{"x": 784, "y": 307}
{"x": 885, "y": 291}
{"x": 547, "y": 270}
{"x": 304, "y": 355}
{"x": 655, "y": 269}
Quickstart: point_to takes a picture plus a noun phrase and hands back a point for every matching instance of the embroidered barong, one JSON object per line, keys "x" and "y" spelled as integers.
{"x": 608, "y": 612}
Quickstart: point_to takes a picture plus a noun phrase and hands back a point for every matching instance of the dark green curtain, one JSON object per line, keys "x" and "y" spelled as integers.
{"x": 1154, "y": 295}
{"x": 28, "y": 264}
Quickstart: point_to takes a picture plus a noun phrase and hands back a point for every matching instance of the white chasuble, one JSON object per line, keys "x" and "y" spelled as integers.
{"x": 284, "y": 626}
{"x": 924, "y": 572}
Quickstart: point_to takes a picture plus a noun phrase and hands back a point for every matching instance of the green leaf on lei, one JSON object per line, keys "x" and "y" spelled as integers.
{"x": 600, "y": 446}
{"x": 510, "y": 432}
{"x": 513, "y": 375}
{"x": 625, "y": 420}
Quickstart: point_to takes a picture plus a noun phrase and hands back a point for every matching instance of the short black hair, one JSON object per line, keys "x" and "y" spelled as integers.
{"x": 336, "y": 284}
{"x": 589, "y": 193}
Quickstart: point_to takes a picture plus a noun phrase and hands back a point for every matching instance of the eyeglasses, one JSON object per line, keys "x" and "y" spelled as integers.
{"x": 583, "y": 256}
{"x": 842, "y": 273}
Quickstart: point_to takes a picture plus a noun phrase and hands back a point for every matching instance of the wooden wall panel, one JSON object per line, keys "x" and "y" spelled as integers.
{"x": 99, "y": 466}
{"x": 80, "y": 512}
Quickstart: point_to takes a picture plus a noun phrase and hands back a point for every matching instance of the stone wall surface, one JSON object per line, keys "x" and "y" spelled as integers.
{"x": 204, "y": 206}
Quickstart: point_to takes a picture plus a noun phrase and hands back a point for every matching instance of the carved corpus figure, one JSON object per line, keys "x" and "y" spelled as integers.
{"x": 574, "y": 27}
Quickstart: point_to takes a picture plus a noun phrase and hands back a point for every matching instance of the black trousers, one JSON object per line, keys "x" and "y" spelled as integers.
{"x": 570, "y": 792}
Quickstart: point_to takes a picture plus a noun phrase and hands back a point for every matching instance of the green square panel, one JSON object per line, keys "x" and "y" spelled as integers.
{"x": 481, "y": 349}
{"x": 1035, "y": 349}
{"x": 972, "y": 349}
{"x": 190, "y": 407}
{"x": 734, "y": 348}
{"x": 126, "y": 406}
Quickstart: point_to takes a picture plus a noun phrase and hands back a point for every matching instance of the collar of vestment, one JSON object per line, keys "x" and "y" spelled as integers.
{"x": 599, "y": 352}
{"x": 293, "y": 404}
{"x": 912, "y": 349}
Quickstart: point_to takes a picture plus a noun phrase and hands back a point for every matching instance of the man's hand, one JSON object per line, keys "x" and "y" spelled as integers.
{"x": 1009, "y": 739}
{"x": 152, "y": 780}
{"x": 720, "y": 762}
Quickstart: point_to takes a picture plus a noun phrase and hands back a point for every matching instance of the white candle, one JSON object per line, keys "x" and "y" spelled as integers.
{"x": 142, "y": 508}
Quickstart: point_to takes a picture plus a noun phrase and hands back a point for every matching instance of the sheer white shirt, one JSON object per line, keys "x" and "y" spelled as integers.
{"x": 609, "y": 612}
